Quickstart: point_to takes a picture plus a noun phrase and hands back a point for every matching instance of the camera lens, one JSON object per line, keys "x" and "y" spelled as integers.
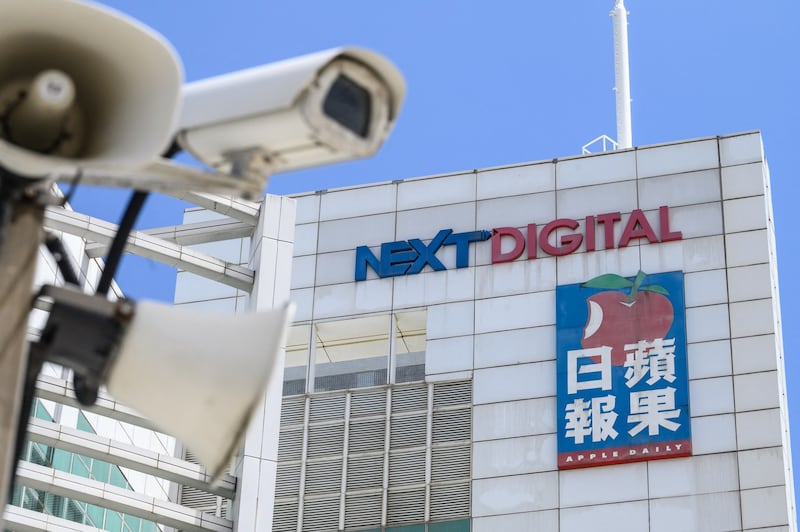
{"x": 349, "y": 104}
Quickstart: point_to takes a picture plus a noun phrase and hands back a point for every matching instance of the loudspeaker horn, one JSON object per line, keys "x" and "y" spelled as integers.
{"x": 125, "y": 81}
{"x": 199, "y": 376}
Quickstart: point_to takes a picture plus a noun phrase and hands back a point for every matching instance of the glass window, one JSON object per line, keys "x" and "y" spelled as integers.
{"x": 16, "y": 496}
{"x": 406, "y": 528}
{"x": 80, "y": 466}
{"x": 297, "y": 355}
{"x": 31, "y": 500}
{"x": 113, "y": 521}
{"x": 55, "y": 504}
{"x": 100, "y": 470}
{"x": 133, "y": 522}
{"x": 117, "y": 478}
{"x": 149, "y": 526}
{"x": 96, "y": 514}
{"x": 40, "y": 412}
{"x": 409, "y": 346}
{"x": 61, "y": 459}
{"x": 462, "y": 525}
{"x": 351, "y": 353}
{"x": 37, "y": 454}
{"x": 355, "y": 352}
{"x": 75, "y": 511}
{"x": 83, "y": 423}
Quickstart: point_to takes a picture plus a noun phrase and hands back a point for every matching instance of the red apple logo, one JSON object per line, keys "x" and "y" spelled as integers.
{"x": 625, "y": 314}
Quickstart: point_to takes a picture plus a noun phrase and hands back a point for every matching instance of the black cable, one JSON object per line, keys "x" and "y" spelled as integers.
{"x": 56, "y": 248}
{"x": 73, "y": 187}
{"x": 173, "y": 150}
{"x": 125, "y": 227}
{"x": 120, "y": 239}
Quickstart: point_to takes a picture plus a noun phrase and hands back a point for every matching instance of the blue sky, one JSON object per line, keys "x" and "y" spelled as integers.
{"x": 493, "y": 83}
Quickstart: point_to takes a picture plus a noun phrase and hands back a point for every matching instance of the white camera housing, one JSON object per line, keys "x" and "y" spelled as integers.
{"x": 316, "y": 109}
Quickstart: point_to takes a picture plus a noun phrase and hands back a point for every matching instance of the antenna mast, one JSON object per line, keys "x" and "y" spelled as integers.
{"x": 622, "y": 76}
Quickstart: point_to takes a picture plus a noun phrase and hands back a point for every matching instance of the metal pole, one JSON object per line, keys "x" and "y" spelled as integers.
{"x": 622, "y": 76}
{"x": 18, "y": 257}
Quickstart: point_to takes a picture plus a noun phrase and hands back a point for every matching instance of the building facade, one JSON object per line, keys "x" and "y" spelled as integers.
{"x": 586, "y": 343}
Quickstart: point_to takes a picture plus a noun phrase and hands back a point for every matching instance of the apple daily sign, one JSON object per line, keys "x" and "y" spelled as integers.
{"x": 623, "y": 387}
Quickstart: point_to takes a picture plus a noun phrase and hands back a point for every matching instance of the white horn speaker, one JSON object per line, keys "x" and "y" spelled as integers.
{"x": 82, "y": 84}
{"x": 199, "y": 376}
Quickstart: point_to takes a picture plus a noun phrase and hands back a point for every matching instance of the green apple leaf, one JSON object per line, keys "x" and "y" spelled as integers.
{"x": 655, "y": 288}
{"x": 609, "y": 281}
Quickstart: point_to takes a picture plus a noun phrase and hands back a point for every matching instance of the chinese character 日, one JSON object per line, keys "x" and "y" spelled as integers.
{"x": 601, "y": 371}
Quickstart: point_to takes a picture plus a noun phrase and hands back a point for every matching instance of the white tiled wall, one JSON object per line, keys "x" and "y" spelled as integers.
{"x": 513, "y": 494}
{"x": 513, "y": 456}
{"x": 515, "y": 180}
{"x": 516, "y": 211}
{"x": 596, "y": 199}
{"x": 583, "y": 171}
{"x": 617, "y": 517}
{"x": 497, "y": 322}
{"x": 708, "y": 512}
{"x": 256, "y": 467}
{"x": 690, "y": 188}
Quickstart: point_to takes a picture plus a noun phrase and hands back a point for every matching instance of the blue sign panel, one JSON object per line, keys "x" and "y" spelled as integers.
{"x": 623, "y": 386}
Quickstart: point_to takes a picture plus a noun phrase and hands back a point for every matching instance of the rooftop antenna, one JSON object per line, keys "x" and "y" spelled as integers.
{"x": 622, "y": 75}
{"x": 622, "y": 88}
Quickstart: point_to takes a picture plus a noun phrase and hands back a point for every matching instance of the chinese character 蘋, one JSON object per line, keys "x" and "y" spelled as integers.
{"x": 656, "y": 358}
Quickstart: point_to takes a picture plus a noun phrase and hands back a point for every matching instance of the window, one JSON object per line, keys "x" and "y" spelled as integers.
{"x": 351, "y": 353}
{"x": 82, "y": 466}
{"x": 357, "y": 352}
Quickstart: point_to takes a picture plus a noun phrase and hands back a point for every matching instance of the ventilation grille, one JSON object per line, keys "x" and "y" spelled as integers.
{"x": 452, "y": 394}
{"x": 323, "y": 476}
{"x": 293, "y": 411}
{"x": 450, "y": 463}
{"x": 365, "y": 472}
{"x": 287, "y": 480}
{"x": 409, "y": 431}
{"x": 407, "y": 467}
{"x": 452, "y": 426}
{"x": 198, "y": 499}
{"x": 284, "y": 518}
{"x": 406, "y": 507}
{"x": 450, "y": 501}
{"x": 366, "y": 436}
{"x": 407, "y": 398}
{"x": 327, "y": 407}
{"x": 368, "y": 403}
{"x": 325, "y": 440}
{"x": 363, "y": 510}
{"x": 290, "y": 444}
{"x": 428, "y": 457}
{"x": 321, "y": 513}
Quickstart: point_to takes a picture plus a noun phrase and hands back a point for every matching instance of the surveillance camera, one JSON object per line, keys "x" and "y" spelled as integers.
{"x": 321, "y": 108}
